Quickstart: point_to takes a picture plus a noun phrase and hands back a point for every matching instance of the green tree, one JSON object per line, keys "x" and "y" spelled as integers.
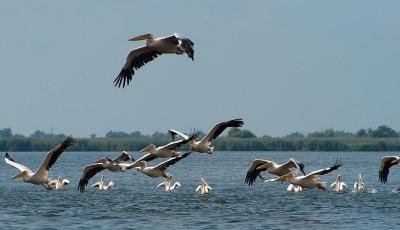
{"x": 241, "y": 133}
{"x": 6, "y": 132}
{"x": 295, "y": 135}
{"x": 362, "y": 133}
{"x": 384, "y": 131}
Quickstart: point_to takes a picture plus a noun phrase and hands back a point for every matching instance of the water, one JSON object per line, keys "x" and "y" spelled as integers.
{"x": 136, "y": 203}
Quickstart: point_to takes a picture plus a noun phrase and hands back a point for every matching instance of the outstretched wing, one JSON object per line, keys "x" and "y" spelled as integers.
{"x": 88, "y": 172}
{"x": 173, "y": 133}
{"x": 386, "y": 163}
{"x": 53, "y": 155}
{"x": 256, "y": 168}
{"x": 124, "y": 157}
{"x": 135, "y": 59}
{"x": 292, "y": 164}
{"x": 220, "y": 127}
{"x": 176, "y": 144}
{"x": 148, "y": 157}
{"x": 320, "y": 172}
{"x": 187, "y": 44}
{"x": 164, "y": 165}
{"x": 19, "y": 166}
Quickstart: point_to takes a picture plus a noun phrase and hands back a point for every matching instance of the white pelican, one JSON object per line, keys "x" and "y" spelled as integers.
{"x": 102, "y": 185}
{"x": 40, "y": 177}
{"x": 259, "y": 165}
{"x": 116, "y": 165}
{"x": 386, "y": 163}
{"x": 310, "y": 180}
{"x": 203, "y": 146}
{"x": 338, "y": 185}
{"x": 167, "y": 184}
{"x": 159, "y": 170}
{"x": 154, "y": 47}
{"x": 359, "y": 185}
{"x": 294, "y": 188}
{"x": 203, "y": 187}
{"x": 59, "y": 183}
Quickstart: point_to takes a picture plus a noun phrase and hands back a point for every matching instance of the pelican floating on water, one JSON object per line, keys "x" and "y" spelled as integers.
{"x": 294, "y": 188}
{"x": 40, "y": 177}
{"x": 59, "y": 183}
{"x": 359, "y": 185}
{"x": 386, "y": 163}
{"x": 338, "y": 185}
{"x": 310, "y": 180}
{"x": 167, "y": 184}
{"x": 259, "y": 165}
{"x": 116, "y": 165}
{"x": 204, "y": 146}
{"x": 102, "y": 185}
{"x": 203, "y": 187}
{"x": 172, "y": 44}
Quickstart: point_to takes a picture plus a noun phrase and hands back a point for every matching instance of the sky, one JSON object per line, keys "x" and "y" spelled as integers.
{"x": 282, "y": 66}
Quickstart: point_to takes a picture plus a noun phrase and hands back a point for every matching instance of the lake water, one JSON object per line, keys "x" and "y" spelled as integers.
{"x": 136, "y": 203}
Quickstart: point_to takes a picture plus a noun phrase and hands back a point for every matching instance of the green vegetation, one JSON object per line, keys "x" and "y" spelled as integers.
{"x": 383, "y": 138}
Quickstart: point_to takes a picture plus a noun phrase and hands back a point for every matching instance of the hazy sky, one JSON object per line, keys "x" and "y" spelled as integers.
{"x": 282, "y": 66}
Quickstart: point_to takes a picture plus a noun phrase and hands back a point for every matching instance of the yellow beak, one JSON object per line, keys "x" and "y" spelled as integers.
{"x": 282, "y": 178}
{"x": 141, "y": 37}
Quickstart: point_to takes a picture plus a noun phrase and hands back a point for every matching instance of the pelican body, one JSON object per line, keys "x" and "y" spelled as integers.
{"x": 203, "y": 187}
{"x": 159, "y": 170}
{"x": 294, "y": 188}
{"x": 102, "y": 184}
{"x": 59, "y": 183}
{"x": 359, "y": 185}
{"x": 338, "y": 185}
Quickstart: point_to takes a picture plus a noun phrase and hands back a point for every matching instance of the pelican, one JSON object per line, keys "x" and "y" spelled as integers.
{"x": 294, "y": 188}
{"x": 359, "y": 185}
{"x": 167, "y": 184}
{"x": 259, "y": 165}
{"x": 204, "y": 146}
{"x": 310, "y": 180}
{"x": 386, "y": 163}
{"x": 159, "y": 170}
{"x": 40, "y": 177}
{"x": 172, "y": 44}
{"x": 102, "y": 185}
{"x": 59, "y": 183}
{"x": 116, "y": 165}
{"x": 338, "y": 185}
{"x": 203, "y": 187}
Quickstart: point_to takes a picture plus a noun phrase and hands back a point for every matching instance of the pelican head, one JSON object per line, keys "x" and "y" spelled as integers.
{"x": 147, "y": 36}
{"x": 21, "y": 174}
{"x": 149, "y": 149}
{"x": 338, "y": 178}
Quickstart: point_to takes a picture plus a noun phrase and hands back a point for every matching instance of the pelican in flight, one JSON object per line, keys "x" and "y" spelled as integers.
{"x": 172, "y": 44}
{"x": 338, "y": 185}
{"x": 203, "y": 187}
{"x": 386, "y": 163}
{"x": 102, "y": 185}
{"x": 117, "y": 165}
{"x": 259, "y": 165}
{"x": 310, "y": 180}
{"x": 168, "y": 184}
{"x": 204, "y": 146}
{"x": 159, "y": 170}
{"x": 59, "y": 183}
{"x": 294, "y": 188}
{"x": 359, "y": 185}
{"x": 40, "y": 177}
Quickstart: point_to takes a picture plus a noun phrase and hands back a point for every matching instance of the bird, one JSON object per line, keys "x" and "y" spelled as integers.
{"x": 338, "y": 185}
{"x": 168, "y": 184}
{"x": 59, "y": 183}
{"x": 294, "y": 188}
{"x": 203, "y": 187}
{"x": 204, "y": 146}
{"x": 359, "y": 185}
{"x": 260, "y": 165}
{"x": 172, "y": 44}
{"x": 159, "y": 170}
{"x": 40, "y": 177}
{"x": 310, "y": 180}
{"x": 102, "y": 185}
{"x": 116, "y": 165}
{"x": 386, "y": 163}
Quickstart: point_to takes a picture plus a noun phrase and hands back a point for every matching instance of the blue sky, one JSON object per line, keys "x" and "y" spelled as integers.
{"x": 282, "y": 66}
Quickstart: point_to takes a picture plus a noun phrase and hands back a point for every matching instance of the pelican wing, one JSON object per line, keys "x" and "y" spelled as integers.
{"x": 65, "y": 181}
{"x": 124, "y": 157}
{"x": 292, "y": 164}
{"x": 53, "y": 155}
{"x": 164, "y": 165}
{"x": 174, "y": 145}
{"x": 88, "y": 172}
{"x": 19, "y": 166}
{"x": 148, "y": 157}
{"x": 95, "y": 185}
{"x": 220, "y": 127}
{"x": 320, "y": 172}
{"x": 173, "y": 133}
{"x": 135, "y": 59}
{"x": 173, "y": 39}
{"x": 256, "y": 168}
{"x": 187, "y": 44}
{"x": 386, "y": 163}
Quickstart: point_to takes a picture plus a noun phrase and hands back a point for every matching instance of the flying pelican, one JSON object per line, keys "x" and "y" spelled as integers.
{"x": 59, "y": 184}
{"x": 310, "y": 180}
{"x": 259, "y": 165}
{"x": 159, "y": 170}
{"x": 102, "y": 185}
{"x": 154, "y": 47}
{"x": 203, "y": 187}
{"x": 204, "y": 146}
{"x": 359, "y": 185}
{"x": 338, "y": 185}
{"x": 40, "y": 177}
{"x": 386, "y": 163}
{"x": 294, "y": 188}
{"x": 116, "y": 165}
{"x": 167, "y": 184}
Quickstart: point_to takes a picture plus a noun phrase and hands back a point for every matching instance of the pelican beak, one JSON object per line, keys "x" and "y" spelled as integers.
{"x": 18, "y": 175}
{"x": 141, "y": 37}
{"x": 282, "y": 178}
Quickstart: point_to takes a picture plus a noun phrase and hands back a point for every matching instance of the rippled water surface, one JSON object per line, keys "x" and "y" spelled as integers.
{"x": 136, "y": 202}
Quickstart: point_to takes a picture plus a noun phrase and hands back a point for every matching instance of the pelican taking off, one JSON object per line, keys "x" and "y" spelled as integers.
{"x": 168, "y": 184}
{"x": 203, "y": 187}
{"x": 359, "y": 185}
{"x": 159, "y": 170}
{"x": 338, "y": 185}
{"x": 386, "y": 163}
{"x": 59, "y": 183}
{"x": 40, "y": 177}
{"x": 102, "y": 184}
{"x": 173, "y": 44}
{"x": 259, "y": 165}
{"x": 204, "y": 146}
